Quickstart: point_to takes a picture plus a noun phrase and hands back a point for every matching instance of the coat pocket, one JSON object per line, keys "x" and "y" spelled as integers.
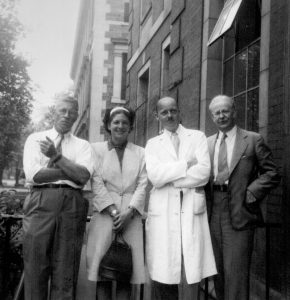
{"x": 157, "y": 200}
{"x": 199, "y": 204}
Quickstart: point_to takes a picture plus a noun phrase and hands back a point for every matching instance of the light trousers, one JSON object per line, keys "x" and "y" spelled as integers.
{"x": 53, "y": 225}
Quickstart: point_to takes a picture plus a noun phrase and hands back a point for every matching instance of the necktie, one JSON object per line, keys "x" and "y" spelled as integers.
{"x": 223, "y": 170}
{"x": 58, "y": 149}
{"x": 58, "y": 144}
{"x": 175, "y": 141}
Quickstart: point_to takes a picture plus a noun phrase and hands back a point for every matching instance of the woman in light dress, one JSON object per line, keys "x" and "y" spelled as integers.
{"x": 119, "y": 195}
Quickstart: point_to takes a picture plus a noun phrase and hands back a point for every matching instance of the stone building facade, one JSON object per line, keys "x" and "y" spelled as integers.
{"x": 99, "y": 62}
{"x": 194, "y": 50}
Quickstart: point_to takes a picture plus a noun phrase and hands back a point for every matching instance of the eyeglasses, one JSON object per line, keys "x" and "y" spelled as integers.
{"x": 70, "y": 113}
{"x": 224, "y": 112}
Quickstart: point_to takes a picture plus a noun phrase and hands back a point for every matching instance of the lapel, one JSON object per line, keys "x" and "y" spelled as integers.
{"x": 211, "y": 148}
{"x": 129, "y": 165}
{"x": 167, "y": 144}
{"x": 239, "y": 148}
{"x": 185, "y": 141}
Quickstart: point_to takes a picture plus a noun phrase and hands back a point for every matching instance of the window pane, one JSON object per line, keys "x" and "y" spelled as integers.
{"x": 229, "y": 43}
{"x": 240, "y": 103}
{"x": 240, "y": 72}
{"x": 248, "y": 26}
{"x": 254, "y": 65}
{"x": 228, "y": 77}
{"x": 253, "y": 110}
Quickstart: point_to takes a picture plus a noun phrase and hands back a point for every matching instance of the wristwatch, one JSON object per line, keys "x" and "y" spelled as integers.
{"x": 113, "y": 213}
{"x": 134, "y": 210}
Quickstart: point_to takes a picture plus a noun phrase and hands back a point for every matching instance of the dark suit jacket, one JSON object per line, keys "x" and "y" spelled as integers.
{"x": 252, "y": 168}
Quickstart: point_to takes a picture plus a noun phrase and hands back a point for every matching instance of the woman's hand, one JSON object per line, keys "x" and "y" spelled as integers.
{"x": 121, "y": 220}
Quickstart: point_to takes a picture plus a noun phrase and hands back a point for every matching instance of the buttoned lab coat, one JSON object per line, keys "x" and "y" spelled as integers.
{"x": 172, "y": 227}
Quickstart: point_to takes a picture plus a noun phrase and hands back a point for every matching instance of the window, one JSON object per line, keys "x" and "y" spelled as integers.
{"x": 225, "y": 19}
{"x": 141, "y": 109}
{"x": 241, "y": 64}
{"x": 120, "y": 66}
{"x": 165, "y": 67}
{"x": 124, "y": 73}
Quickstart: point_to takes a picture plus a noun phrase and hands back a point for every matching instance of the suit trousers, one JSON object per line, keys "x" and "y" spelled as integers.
{"x": 232, "y": 250}
{"x": 53, "y": 225}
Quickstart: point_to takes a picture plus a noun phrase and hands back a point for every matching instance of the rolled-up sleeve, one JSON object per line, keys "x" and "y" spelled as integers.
{"x": 31, "y": 158}
{"x": 86, "y": 157}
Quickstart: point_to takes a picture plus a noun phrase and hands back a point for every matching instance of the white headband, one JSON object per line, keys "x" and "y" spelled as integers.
{"x": 118, "y": 108}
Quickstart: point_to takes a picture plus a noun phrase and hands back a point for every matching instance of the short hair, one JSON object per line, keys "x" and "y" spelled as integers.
{"x": 110, "y": 113}
{"x": 68, "y": 98}
{"x": 156, "y": 105}
{"x": 216, "y": 98}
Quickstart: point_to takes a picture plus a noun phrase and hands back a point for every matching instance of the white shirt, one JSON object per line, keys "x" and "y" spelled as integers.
{"x": 73, "y": 148}
{"x": 230, "y": 143}
{"x": 171, "y": 133}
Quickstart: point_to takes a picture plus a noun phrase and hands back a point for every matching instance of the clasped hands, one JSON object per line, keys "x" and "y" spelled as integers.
{"x": 121, "y": 219}
{"x": 47, "y": 148}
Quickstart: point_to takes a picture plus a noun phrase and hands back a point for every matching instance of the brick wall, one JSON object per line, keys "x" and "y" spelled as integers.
{"x": 115, "y": 30}
{"x": 185, "y": 26}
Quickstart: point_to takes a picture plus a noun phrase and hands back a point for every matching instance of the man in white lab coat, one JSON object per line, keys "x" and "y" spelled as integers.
{"x": 178, "y": 244}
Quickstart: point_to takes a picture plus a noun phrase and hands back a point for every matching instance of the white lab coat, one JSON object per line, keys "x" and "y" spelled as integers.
{"x": 172, "y": 228}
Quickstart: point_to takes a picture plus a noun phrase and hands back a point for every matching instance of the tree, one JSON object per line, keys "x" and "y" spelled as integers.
{"x": 15, "y": 86}
{"x": 47, "y": 121}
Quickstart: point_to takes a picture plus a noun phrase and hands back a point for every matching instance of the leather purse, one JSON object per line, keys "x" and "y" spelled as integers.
{"x": 117, "y": 263}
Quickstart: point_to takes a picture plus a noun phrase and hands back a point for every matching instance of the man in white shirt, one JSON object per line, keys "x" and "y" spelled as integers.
{"x": 243, "y": 173}
{"x": 57, "y": 165}
{"x": 178, "y": 244}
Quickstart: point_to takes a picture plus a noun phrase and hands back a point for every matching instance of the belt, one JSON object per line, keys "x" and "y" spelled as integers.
{"x": 54, "y": 186}
{"x": 220, "y": 187}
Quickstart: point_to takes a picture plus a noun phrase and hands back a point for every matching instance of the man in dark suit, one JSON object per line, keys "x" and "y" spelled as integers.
{"x": 243, "y": 173}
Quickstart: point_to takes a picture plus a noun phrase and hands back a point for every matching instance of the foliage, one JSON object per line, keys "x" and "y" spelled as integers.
{"x": 11, "y": 262}
{"x": 15, "y": 86}
{"x": 47, "y": 121}
{"x": 10, "y": 203}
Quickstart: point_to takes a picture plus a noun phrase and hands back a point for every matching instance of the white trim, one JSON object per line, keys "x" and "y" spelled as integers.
{"x": 144, "y": 68}
{"x": 166, "y": 42}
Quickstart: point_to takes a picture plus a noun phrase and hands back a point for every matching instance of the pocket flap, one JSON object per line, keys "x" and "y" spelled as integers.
{"x": 199, "y": 205}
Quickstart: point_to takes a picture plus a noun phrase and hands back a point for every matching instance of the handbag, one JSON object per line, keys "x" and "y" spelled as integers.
{"x": 117, "y": 263}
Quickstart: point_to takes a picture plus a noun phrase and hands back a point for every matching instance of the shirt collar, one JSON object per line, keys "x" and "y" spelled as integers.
{"x": 169, "y": 133}
{"x": 56, "y": 134}
{"x": 230, "y": 134}
{"x": 112, "y": 146}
